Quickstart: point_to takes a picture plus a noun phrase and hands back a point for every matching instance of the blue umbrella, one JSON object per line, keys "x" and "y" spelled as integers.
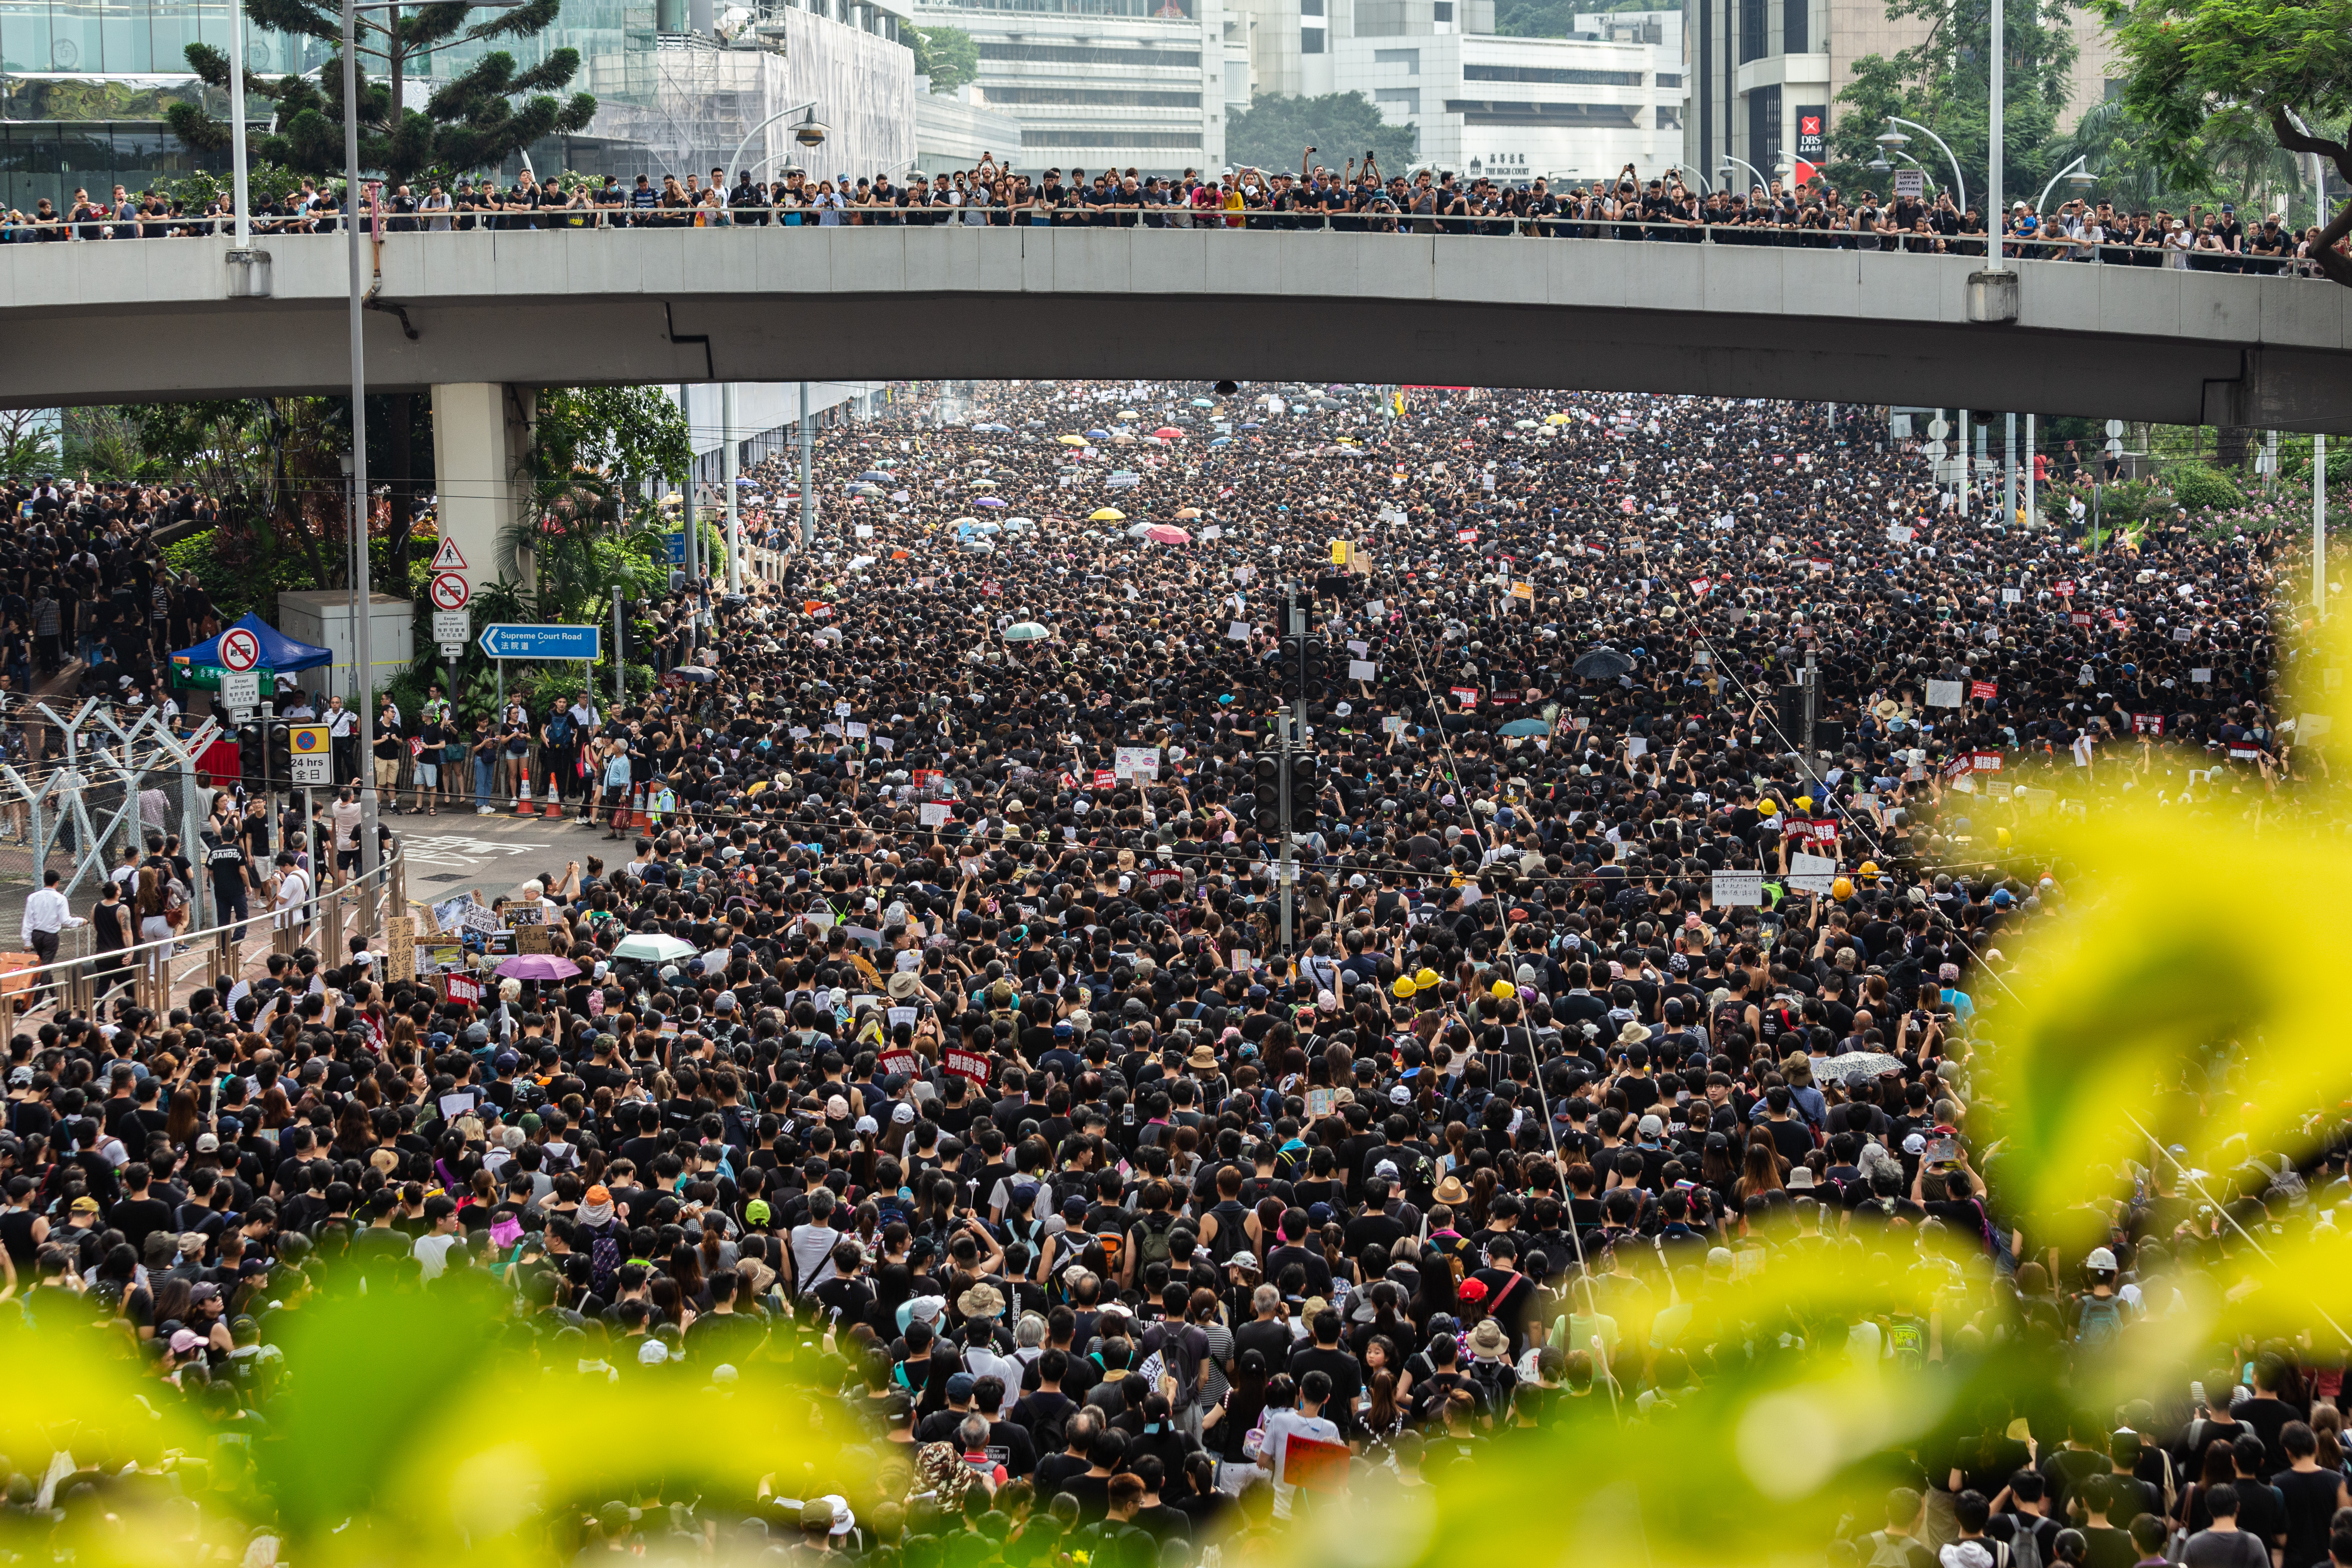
{"x": 1222, "y": 441}
{"x": 1525, "y": 727}
{"x": 876, "y": 475}
{"x": 1097, "y": 434}
{"x": 1202, "y": 403}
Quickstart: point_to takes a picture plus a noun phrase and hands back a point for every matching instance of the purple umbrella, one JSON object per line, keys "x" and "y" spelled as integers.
{"x": 537, "y": 966}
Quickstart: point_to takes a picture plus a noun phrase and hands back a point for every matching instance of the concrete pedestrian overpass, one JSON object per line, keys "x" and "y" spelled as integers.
{"x": 483, "y": 317}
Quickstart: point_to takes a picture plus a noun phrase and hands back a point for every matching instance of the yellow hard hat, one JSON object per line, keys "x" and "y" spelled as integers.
{"x": 1803, "y": 803}
{"x": 1768, "y": 806}
{"x": 1426, "y": 978}
{"x": 1504, "y": 990}
{"x": 1869, "y": 869}
{"x": 1841, "y": 888}
{"x": 1403, "y": 987}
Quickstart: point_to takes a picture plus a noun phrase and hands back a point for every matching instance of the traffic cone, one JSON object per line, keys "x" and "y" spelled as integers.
{"x": 554, "y": 799}
{"x": 637, "y": 810}
{"x": 522, "y": 801}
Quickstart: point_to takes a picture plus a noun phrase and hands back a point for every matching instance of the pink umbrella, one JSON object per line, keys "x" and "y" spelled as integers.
{"x": 537, "y": 966}
{"x": 1169, "y": 433}
{"x": 1167, "y": 534}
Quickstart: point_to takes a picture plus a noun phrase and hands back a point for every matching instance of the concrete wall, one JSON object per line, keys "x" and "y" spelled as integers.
{"x": 778, "y": 305}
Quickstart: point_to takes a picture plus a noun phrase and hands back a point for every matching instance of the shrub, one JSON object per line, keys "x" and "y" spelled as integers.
{"x": 2200, "y": 488}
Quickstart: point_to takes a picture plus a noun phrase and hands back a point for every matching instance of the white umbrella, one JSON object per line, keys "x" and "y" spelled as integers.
{"x": 653, "y": 947}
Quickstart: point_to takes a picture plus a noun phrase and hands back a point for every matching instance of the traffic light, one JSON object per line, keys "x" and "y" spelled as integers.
{"x": 1301, "y": 666}
{"x": 282, "y": 757}
{"x": 1788, "y": 711}
{"x": 1265, "y": 775}
{"x": 1305, "y": 787}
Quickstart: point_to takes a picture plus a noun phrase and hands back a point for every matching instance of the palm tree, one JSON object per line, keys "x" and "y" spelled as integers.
{"x": 575, "y": 540}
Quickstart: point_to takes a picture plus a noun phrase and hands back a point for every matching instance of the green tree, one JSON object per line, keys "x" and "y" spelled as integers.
{"x": 626, "y": 434}
{"x": 591, "y": 447}
{"x": 1274, "y": 130}
{"x": 2200, "y": 73}
{"x": 1943, "y": 81}
{"x": 946, "y": 55}
{"x": 27, "y": 444}
{"x": 473, "y": 121}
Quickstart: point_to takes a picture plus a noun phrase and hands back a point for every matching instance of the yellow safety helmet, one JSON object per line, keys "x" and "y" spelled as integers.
{"x": 1768, "y": 806}
{"x": 1869, "y": 869}
{"x": 1803, "y": 803}
{"x": 1426, "y": 978}
{"x": 1504, "y": 990}
{"x": 1841, "y": 888}
{"x": 1403, "y": 987}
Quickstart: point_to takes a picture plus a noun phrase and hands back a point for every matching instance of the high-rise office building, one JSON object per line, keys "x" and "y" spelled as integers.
{"x": 1765, "y": 75}
{"x": 1101, "y": 84}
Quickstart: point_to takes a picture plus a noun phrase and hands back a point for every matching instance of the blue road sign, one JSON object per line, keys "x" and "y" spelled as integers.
{"x": 542, "y": 642}
{"x": 676, "y": 542}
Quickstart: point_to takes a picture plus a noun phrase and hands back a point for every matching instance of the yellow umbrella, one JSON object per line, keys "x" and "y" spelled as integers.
{"x": 1555, "y": 418}
{"x": 1106, "y": 514}
{"x": 1186, "y": 512}
{"x": 1071, "y": 440}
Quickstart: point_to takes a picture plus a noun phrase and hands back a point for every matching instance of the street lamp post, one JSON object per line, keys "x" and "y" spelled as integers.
{"x": 1895, "y": 140}
{"x": 1993, "y": 156}
{"x": 1752, "y": 168}
{"x": 236, "y": 126}
{"x": 2042, "y": 200}
{"x": 363, "y": 648}
{"x": 811, "y": 133}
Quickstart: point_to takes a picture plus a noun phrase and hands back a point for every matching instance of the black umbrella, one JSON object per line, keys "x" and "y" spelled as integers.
{"x": 1603, "y": 663}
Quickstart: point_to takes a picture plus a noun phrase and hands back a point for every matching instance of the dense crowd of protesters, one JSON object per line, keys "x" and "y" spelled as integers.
{"x": 1814, "y": 213}
{"x": 984, "y": 1089}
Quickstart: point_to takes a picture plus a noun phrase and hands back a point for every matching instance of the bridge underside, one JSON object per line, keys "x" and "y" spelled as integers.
{"x": 146, "y": 320}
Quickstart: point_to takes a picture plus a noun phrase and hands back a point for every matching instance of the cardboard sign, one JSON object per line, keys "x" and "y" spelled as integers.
{"x": 533, "y": 939}
{"x": 969, "y": 1066}
{"x": 1734, "y": 888}
{"x": 400, "y": 939}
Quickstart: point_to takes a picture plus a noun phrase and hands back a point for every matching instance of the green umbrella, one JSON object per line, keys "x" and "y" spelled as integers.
{"x": 1025, "y": 631}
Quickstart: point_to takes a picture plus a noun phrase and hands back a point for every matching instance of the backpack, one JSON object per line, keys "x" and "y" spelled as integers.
{"x": 604, "y": 1260}
{"x": 2101, "y": 1322}
{"x": 1886, "y": 1551}
{"x": 1151, "y": 1241}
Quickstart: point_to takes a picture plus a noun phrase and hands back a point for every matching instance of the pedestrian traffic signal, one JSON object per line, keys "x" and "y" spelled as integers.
{"x": 1305, "y": 787}
{"x": 1302, "y": 668}
{"x": 1265, "y": 776}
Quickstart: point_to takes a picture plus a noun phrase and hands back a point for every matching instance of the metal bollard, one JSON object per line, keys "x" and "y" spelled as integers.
{"x": 75, "y": 945}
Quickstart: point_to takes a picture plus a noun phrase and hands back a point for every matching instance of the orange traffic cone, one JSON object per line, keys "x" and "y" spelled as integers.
{"x": 554, "y": 799}
{"x": 637, "y": 810}
{"x": 522, "y": 801}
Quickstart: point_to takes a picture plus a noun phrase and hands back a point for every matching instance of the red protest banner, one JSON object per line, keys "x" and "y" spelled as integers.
{"x": 968, "y": 1065}
{"x": 1983, "y": 690}
{"x": 1985, "y": 762}
{"x": 462, "y": 988}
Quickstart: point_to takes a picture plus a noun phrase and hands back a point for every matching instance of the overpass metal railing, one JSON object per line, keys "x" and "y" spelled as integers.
{"x": 1476, "y": 224}
{"x": 83, "y": 976}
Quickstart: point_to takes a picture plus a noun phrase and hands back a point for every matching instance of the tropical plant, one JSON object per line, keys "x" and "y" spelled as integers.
{"x": 476, "y": 119}
{"x": 2279, "y": 65}
{"x": 28, "y": 443}
{"x": 2200, "y": 488}
{"x": 1943, "y": 81}
{"x": 1274, "y": 130}
{"x": 948, "y": 56}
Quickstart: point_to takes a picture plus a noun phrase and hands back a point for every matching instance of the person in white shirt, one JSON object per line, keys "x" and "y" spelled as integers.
{"x": 441, "y": 1234}
{"x": 1281, "y": 1426}
{"x": 46, "y": 914}
{"x": 289, "y": 892}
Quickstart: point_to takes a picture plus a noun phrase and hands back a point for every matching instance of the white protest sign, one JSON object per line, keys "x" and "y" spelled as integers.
{"x": 1811, "y": 873}
{"x": 1738, "y": 887}
{"x": 1362, "y": 670}
{"x": 1945, "y": 693}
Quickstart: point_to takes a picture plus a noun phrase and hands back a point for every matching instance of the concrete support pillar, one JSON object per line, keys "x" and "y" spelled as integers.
{"x": 481, "y": 437}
